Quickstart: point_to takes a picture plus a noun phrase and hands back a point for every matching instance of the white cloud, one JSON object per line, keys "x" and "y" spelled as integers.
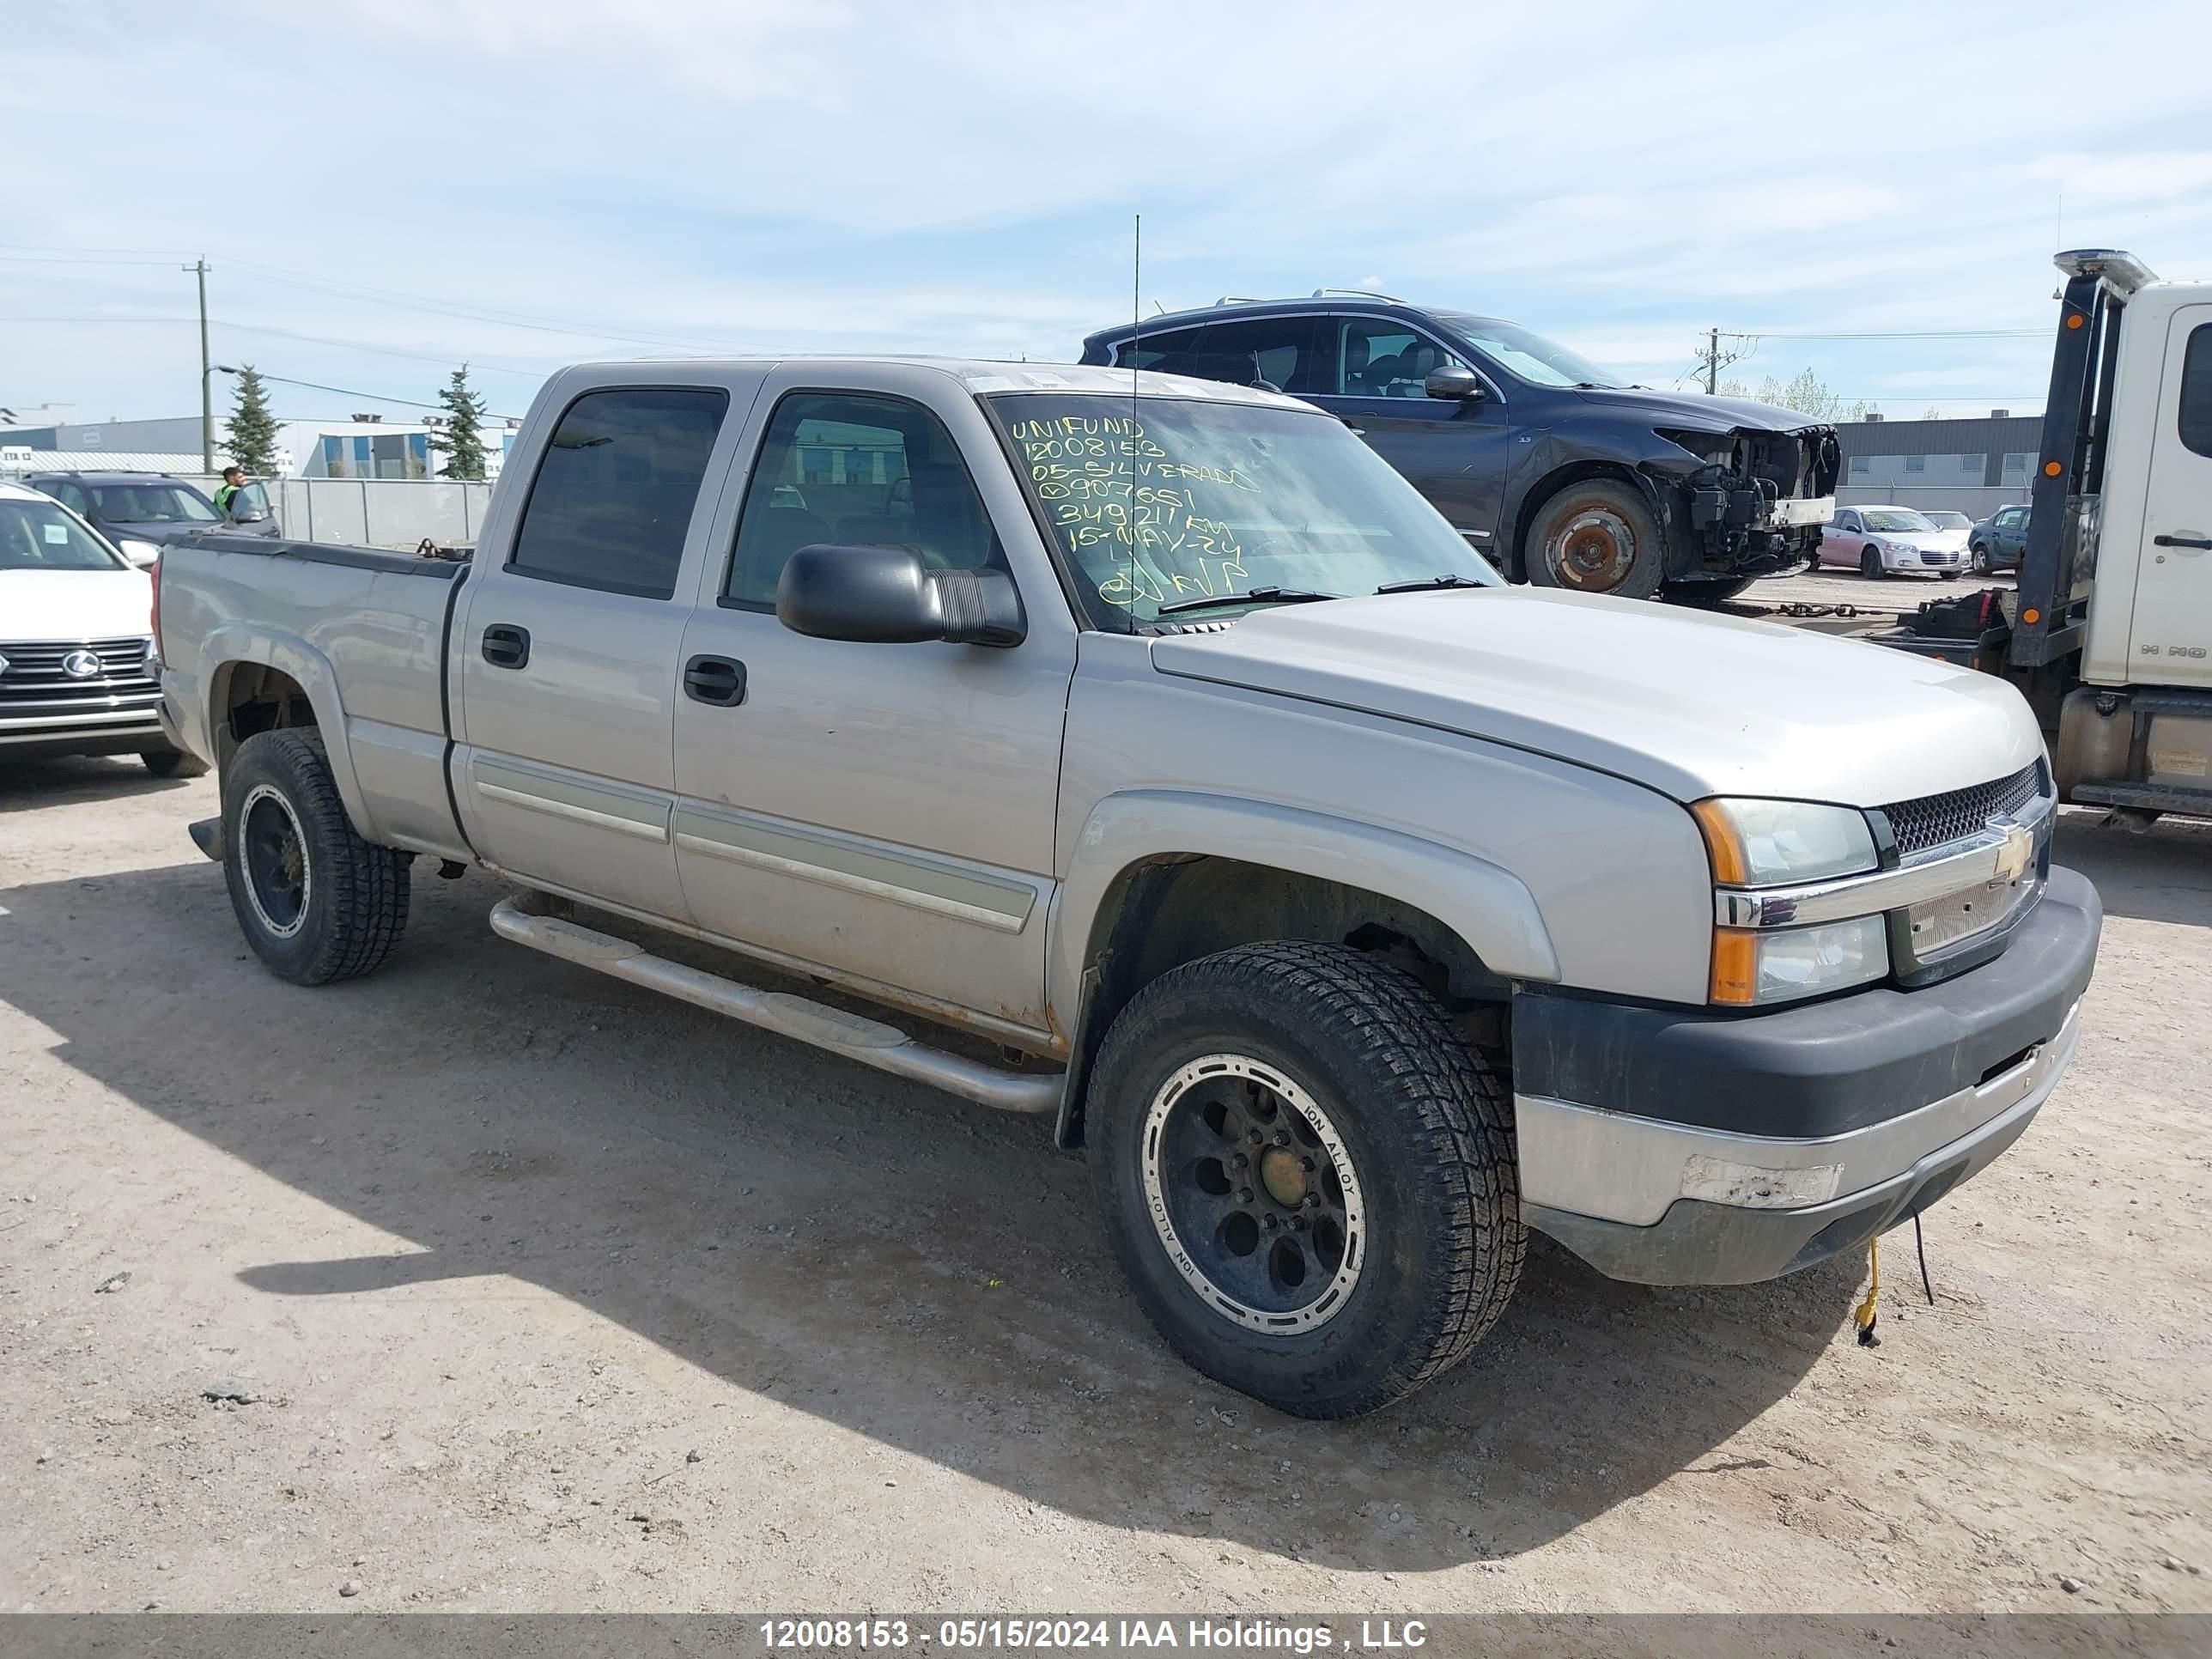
{"x": 963, "y": 176}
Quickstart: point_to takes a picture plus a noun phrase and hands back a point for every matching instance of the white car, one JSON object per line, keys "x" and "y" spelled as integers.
{"x": 1891, "y": 541}
{"x": 76, "y": 634}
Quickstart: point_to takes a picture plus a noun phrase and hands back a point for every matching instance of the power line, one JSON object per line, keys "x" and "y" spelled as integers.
{"x": 372, "y": 397}
{"x": 294, "y": 334}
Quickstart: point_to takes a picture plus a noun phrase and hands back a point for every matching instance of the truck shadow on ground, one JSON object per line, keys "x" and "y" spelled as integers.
{"x": 925, "y": 1273}
{"x": 32, "y": 785}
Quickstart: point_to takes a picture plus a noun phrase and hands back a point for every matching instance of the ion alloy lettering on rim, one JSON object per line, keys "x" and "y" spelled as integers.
{"x": 1263, "y": 1186}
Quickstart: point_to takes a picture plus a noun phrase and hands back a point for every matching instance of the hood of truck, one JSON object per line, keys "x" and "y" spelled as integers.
{"x": 74, "y": 604}
{"x": 1684, "y": 701}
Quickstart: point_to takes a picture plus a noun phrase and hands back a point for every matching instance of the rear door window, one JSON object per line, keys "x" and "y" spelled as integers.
{"x": 613, "y": 493}
{"x": 1277, "y": 350}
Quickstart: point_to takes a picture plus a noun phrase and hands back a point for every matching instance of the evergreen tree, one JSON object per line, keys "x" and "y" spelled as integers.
{"x": 250, "y": 433}
{"x": 461, "y": 442}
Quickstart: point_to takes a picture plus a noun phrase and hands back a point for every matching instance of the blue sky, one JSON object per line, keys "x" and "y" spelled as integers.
{"x": 521, "y": 185}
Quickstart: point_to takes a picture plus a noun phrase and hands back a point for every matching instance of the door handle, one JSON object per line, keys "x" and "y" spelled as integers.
{"x": 719, "y": 681}
{"x": 2199, "y": 543}
{"x": 506, "y": 646}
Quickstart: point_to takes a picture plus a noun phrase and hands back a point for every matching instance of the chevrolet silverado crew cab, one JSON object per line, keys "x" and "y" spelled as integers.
{"x": 1562, "y": 475}
{"x": 76, "y": 623}
{"x": 1145, "y": 753}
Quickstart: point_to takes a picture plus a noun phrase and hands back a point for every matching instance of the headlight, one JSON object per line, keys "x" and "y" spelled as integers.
{"x": 1760, "y": 844}
{"x": 138, "y": 552}
{"x": 1787, "y": 843}
{"x": 1751, "y": 967}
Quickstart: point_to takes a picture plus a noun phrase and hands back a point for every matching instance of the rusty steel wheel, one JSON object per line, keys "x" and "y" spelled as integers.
{"x": 1596, "y": 538}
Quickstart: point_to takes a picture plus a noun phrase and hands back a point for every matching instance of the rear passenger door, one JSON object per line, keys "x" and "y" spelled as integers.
{"x": 1454, "y": 452}
{"x": 568, "y": 650}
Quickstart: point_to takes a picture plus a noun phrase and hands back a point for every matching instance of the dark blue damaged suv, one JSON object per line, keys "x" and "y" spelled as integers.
{"x": 1561, "y": 474}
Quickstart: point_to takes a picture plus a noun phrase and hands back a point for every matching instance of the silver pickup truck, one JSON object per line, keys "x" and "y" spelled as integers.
{"x": 1351, "y": 912}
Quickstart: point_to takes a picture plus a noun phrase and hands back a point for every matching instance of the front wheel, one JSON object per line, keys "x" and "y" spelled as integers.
{"x": 1307, "y": 1174}
{"x": 1598, "y": 537}
{"x": 315, "y": 901}
{"x": 1870, "y": 564}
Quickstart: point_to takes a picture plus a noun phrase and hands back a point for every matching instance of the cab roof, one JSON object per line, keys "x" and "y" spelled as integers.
{"x": 982, "y": 375}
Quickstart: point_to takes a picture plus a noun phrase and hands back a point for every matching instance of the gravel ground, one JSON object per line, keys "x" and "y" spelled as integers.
{"x": 489, "y": 1284}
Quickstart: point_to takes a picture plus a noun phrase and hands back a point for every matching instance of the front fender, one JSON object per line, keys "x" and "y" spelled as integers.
{"x": 1486, "y": 905}
{"x": 236, "y": 643}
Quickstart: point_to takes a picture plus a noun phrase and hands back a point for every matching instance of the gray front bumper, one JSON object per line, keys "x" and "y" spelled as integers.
{"x": 1739, "y": 1209}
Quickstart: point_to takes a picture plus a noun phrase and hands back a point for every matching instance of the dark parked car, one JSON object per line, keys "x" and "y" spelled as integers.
{"x": 143, "y": 512}
{"x": 1563, "y": 475}
{"x": 1996, "y": 542}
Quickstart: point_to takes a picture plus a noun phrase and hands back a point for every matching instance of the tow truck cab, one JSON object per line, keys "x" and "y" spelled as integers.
{"x": 2112, "y": 635}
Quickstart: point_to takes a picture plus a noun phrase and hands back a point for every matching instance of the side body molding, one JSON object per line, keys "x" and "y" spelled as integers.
{"x": 1485, "y": 904}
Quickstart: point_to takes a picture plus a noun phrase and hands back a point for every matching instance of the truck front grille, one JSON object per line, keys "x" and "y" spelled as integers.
{"x": 35, "y": 686}
{"x": 1932, "y": 820}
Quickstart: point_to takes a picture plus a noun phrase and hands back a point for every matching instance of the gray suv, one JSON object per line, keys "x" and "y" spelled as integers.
{"x": 142, "y": 512}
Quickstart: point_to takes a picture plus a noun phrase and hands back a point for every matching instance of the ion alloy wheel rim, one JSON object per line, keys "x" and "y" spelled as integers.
{"x": 1254, "y": 1195}
{"x": 279, "y": 882}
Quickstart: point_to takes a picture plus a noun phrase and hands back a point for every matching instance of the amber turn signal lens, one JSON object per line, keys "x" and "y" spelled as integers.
{"x": 2052, "y": 469}
{"x": 2075, "y": 321}
{"x": 1730, "y": 867}
{"x": 1735, "y": 965}
{"x": 2031, "y": 616}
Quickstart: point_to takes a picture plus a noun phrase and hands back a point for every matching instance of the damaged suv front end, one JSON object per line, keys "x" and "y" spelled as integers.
{"x": 1751, "y": 500}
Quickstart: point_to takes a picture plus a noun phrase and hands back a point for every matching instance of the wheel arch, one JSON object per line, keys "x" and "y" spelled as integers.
{"x": 1539, "y": 492}
{"x": 1162, "y": 878}
{"x": 266, "y": 681}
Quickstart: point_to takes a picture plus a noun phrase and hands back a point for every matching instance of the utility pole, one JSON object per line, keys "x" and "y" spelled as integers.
{"x": 1712, "y": 358}
{"x": 198, "y": 269}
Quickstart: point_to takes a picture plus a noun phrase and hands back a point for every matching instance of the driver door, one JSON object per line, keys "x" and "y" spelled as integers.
{"x": 882, "y": 812}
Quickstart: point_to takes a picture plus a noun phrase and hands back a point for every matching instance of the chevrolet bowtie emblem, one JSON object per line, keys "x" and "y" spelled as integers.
{"x": 2015, "y": 853}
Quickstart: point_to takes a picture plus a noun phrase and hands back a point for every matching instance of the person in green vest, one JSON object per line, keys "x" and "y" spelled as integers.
{"x": 233, "y": 480}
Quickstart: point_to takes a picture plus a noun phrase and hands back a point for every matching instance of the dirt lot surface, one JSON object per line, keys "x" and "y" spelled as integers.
{"x": 517, "y": 1289}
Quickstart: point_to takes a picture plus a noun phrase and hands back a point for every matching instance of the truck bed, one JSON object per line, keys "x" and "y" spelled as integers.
{"x": 230, "y": 604}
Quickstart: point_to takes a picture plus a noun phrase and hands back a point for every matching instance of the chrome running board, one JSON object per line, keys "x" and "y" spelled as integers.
{"x": 870, "y": 1041}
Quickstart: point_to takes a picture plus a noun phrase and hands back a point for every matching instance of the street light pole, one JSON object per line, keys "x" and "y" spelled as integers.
{"x": 198, "y": 269}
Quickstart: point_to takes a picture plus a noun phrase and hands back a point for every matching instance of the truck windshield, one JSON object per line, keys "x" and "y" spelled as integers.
{"x": 1530, "y": 355}
{"x": 39, "y": 536}
{"x": 1158, "y": 502}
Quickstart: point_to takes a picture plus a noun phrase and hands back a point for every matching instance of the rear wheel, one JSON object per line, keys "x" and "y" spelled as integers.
{"x": 1870, "y": 562}
{"x": 173, "y": 763}
{"x": 1597, "y": 537}
{"x": 1307, "y": 1174}
{"x": 315, "y": 901}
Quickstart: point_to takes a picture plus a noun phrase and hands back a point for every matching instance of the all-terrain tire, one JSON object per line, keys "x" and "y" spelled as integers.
{"x": 1596, "y": 537}
{"x": 352, "y": 896}
{"x": 1427, "y": 1128}
{"x": 173, "y": 763}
